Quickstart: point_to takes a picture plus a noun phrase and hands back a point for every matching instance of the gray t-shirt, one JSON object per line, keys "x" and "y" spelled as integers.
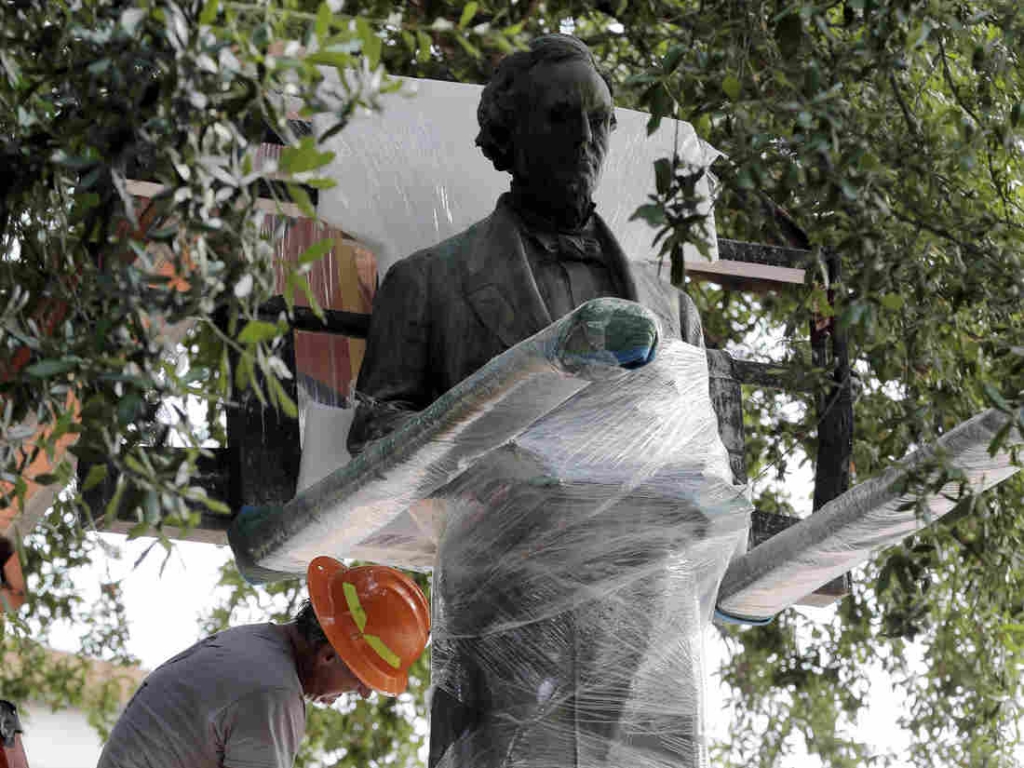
{"x": 231, "y": 700}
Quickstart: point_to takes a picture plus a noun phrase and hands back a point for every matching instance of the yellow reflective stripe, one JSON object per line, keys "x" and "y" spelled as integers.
{"x": 354, "y": 606}
{"x": 383, "y": 651}
{"x": 359, "y": 617}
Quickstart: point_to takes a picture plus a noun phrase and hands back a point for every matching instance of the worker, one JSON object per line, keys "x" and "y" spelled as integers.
{"x": 12, "y": 751}
{"x": 236, "y": 699}
{"x": 12, "y": 580}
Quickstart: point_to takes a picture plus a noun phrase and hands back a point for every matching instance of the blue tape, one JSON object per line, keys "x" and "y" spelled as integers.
{"x": 728, "y": 618}
{"x": 637, "y": 357}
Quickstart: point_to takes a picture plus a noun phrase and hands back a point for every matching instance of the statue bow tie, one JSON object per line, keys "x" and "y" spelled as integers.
{"x": 578, "y": 247}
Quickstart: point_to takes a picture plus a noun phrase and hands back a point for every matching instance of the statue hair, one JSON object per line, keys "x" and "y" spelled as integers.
{"x": 309, "y": 627}
{"x": 500, "y": 102}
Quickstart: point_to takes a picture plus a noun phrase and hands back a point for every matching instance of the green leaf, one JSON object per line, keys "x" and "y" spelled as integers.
{"x": 467, "y": 46}
{"x": 338, "y": 59}
{"x": 301, "y": 198}
{"x": 323, "y": 22}
{"x": 301, "y": 282}
{"x": 996, "y": 398}
{"x": 423, "y": 52}
{"x": 110, "y": 513}
{"x": 303, "y": 157}
{"x": 891, "y": 301}
{"x": 256, "y": 331}
{"x": 214, "y": 505}
{"x": 209, "y": 12}
{"x": 316, "y": 251}
{"x": 97, "y": 474}
{"x": 661, "y": 104}
{"x": 282, "y": 398}
{"x": 652, "y": 213}
{"x": 467, "y": 14}
{"x": 731, "y": 87}
{"x": 372, "y": 44}
{"x": 673, "y": 57}
{"x": 53, "y": 367}
{"x": 323, "y": 183}
{"x": 663, "y": 175}
{"x": 644, "y": 78}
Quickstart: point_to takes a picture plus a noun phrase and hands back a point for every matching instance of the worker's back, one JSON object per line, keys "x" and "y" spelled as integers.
{"x": 231, "y": 700}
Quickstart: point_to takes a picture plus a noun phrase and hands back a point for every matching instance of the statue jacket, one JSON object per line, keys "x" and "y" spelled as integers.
{"x": 445, "y": 311}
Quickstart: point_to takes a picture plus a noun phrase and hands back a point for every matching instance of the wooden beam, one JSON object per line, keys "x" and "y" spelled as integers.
{"x": 752, "y": 266}
{"x": 355, "y": 325}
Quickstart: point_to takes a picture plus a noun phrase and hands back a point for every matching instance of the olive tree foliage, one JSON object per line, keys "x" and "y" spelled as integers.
{"x": 888, "y": 131}
{"x": 120, "y": 315}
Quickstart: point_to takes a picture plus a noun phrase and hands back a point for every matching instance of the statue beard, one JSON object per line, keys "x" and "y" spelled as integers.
{"x": 566, "y": 205}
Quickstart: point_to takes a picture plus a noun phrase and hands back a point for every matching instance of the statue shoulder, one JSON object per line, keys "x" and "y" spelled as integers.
{"x": 438, "y": 261}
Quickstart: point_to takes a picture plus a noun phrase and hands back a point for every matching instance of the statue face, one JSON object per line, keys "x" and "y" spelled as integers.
{"x": 562, "y": 137}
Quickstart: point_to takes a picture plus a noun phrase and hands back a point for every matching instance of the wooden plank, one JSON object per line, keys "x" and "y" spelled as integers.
{"x": 752, "y": 266}
{"x": 355, "y": 325}
{"x": 727, "y": 399}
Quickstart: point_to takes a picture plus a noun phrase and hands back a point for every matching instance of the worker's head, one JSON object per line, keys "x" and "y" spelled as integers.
{"x": 323, "y": 673}
{"x": 375, "y": 618}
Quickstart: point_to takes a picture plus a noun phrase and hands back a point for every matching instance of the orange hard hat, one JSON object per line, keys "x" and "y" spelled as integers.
{"x": 376, "y": 618}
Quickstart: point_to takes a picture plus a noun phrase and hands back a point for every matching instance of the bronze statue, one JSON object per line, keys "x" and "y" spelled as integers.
{"x": 440, "y": 315}
{"x": 443, "y": 312}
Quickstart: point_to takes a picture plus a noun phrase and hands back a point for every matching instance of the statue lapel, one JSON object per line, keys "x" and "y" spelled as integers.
{"x": 642, "y": 283}
{"x": 499, "y": 284}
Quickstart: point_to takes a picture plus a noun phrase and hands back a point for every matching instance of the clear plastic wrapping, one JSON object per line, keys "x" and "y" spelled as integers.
{"x": 581, "y": 513}
{"x": 577, "y": 572}
{"x": 871, "y": 516}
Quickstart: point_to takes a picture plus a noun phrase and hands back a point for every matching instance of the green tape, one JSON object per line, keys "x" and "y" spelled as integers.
{"x": 383, "y": 651}
{"x": 359, "y": 617}
{"x": 354, "y": 606}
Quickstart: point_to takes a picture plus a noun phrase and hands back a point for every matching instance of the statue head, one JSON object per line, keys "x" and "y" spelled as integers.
{"x": 546, "y": 117}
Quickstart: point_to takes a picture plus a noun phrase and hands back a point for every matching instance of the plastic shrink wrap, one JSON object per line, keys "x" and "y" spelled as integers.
{"x": 873, "y": 515}
{"x": 577, "y": 572}
{"x": 579, "y": 504}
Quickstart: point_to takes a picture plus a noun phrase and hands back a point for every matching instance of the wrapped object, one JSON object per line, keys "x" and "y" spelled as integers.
{"x": 581, "y": 512}
{"x": 871, "y": 516}
{"x": 387, "y": 505}
{"x": 577, "y": 572}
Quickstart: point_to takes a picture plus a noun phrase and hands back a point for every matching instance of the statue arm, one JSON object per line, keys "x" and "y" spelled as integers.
{"x": 394, "y": 380}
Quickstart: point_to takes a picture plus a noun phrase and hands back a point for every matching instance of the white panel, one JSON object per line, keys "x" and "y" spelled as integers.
{"x": 411, "y": 175}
